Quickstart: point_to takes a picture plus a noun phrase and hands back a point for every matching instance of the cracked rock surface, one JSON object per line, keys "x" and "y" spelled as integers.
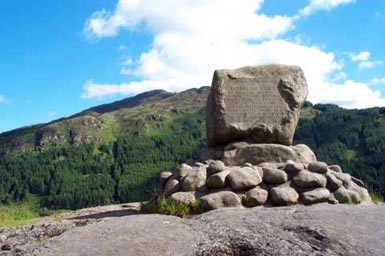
{"x": 321, "y": 229}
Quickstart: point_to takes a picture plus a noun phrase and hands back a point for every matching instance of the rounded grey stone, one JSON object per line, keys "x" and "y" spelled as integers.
{"x": 274, "y": 176}
{"x": 182, "y": 170}
{"x": 194, "y": 179}
{"x": 220, "y": 200}
{"x": 332, "y": 182}
{"x": 164, "y": 177}
{"x": 318, "y": 167}
{"x": 218, "y": 180}
{"x": 244, "y": 178}
{"x": 284, "y": 195}
{"x": 293, "y": 168}
{"x": 306, "y": 179}
{"x": 335, "y": 168}
{"x": 183, "y": 197}
{"x": 215, "y": 166}
{"x": 172, "y": 186}
{"x": 256, "y": 196}
{"x": 345, "y": 196}
{"x": 344, "y": 177}
{"x": 317, "y": 195}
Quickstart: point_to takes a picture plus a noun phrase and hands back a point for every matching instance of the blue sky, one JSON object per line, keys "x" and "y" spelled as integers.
{"x": 60, "y": 57}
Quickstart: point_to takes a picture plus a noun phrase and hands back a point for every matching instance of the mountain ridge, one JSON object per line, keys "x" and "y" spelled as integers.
{"x": 68, "y": 129}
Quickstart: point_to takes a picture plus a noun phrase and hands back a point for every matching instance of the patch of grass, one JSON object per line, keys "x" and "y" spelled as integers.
{"x": 377, "y": 199}
{"x": 18, "y": 214}
{"x": 196, "y": 207}
{"x": 167, "y": 207}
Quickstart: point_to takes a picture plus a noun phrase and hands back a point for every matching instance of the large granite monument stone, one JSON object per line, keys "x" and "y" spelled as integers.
{"x": 260, "y": 104}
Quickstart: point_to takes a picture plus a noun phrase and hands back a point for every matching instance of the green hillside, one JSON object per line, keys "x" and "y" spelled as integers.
{"x": 114, "y": 152}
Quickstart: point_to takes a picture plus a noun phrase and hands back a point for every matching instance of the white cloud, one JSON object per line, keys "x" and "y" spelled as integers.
{"x": 362, "y": 56}
{"x": 377, "y": 80}
{"x": 351, "y": 94}
{"x": 1, "y": 98}
{"x": 193, "y": 38}
{"x": 122, "y": 47}
{"x": 322, "y": 5}
{"x": 215, "y": 19}
{"x": 369, "y": 64}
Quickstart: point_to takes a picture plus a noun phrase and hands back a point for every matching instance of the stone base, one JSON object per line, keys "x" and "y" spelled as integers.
{"x": 239, "y": 153}
{"x": 261, "y": 174}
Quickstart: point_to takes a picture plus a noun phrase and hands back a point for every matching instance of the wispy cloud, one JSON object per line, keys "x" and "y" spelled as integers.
{"x": 186, "y": 50}
{"x": 370, "y": 64}
{"x": 322, "y": 5}
{"x": 362, "y": 60}
{"x": 358, "y": 57}
{"x": 2, "y": 99}
{"x": 101, "y": 90}
{"x": 52, "y": 114}
{"x": 378, "y": 80}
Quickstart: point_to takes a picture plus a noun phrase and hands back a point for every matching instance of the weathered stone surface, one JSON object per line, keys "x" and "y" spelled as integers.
{"x": 182, "y": 170}
{"x": 318, "y": 167}
{"x": 244, "y": 178}
{"x": 164, "y": 176}
{"x": 284, "y": 195}
{"x": 218, "y": 180}
{"x": 274, "y": 176}
{"x": 306, "y": 179}
{"x": 256, "y": 196}
{"x": 194, "y": 179}
{"x": 294, "y": 231}
{"x": 272, "y": 165}
{"x": 220, "y": 200}
{"x": 317, "y": 195}
{"x": 183, "y": 197}
{"x": 241, "y": 153}
{"x": 172, "y": 186}
{"x": 332, "y": 182}
{"x": 304, "y": 154}
{"x": 258, "y": 103}
{"x": 345, "y": 196}
{"x": 215, "y": 166}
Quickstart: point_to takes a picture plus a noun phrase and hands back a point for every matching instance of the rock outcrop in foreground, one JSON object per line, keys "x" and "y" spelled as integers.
{"x": 297, "y": 230}
{"x": 252, "y": 114}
